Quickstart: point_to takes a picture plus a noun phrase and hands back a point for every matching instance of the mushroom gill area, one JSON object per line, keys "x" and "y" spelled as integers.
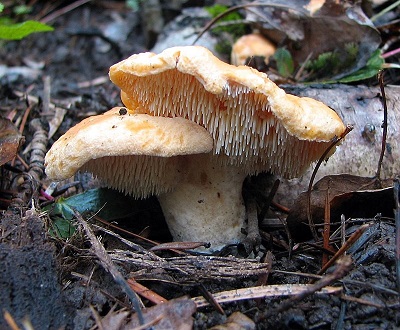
{"x": 241, "y": 122}
{"x": 139, "y": 176}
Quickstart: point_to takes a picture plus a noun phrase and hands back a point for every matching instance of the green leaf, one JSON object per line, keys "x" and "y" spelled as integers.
{"x": 21, "y": 30}
{"x": 374, "y": 64}
{"x": 284, "y": 62}
{"x": 107, "y": 203}
{"x": 62, "y": 228}
{"x": 235, "y": 29}
{"x": 1, "y": 7}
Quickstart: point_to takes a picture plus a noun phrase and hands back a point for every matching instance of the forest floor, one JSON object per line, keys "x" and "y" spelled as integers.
{"x": 53, "y": 282}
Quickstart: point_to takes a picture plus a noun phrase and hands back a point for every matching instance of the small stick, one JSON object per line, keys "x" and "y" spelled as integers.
{"x": 343, "y": 267}
{"x": 210, "y": 299}
{"x": 179, "y": 246}
{"x": 105, "y": 260}
{"x": 335, "y": 141}
{"x": 235, "y": 8}
{"x": 384, "y": 124}
{"x": 146, "y": 292}
{"x": 63, "y": 11}
{"x": 10, "y": 321}
{"x": 274, "y": 290}
{"x": 343, "y": 229}
{"x": 111, "y": 225}
{"x": 396, "y": 190}
{"x": 327, "y": 226}
{"x": 352, "y": 239}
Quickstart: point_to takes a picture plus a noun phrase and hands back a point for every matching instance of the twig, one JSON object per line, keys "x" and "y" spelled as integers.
{"x": 111, "y": 225}
{"x": 235, "y": 8}
{"x": 146, "y": 292}
{"x": 10, "y": 321}
{"x": 327, "y": 226}
{"x": 335, "y": 141}
{"x": 396, "y": 190}
{"x": 352, "y": 239}
{"x": 343, "y": 267}
{"x": 211, "y": 299}
{"x": 384, "y": 124}
{"x": 25, "y": 117}
{"x": 105, "y": 260}
{"x": 277, "y": 290}
{"x": 63, "y": 11}
{"x": 179, "y": 246}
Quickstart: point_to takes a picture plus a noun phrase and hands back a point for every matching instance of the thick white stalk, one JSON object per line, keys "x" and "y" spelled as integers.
{"x": 207, "y": 205}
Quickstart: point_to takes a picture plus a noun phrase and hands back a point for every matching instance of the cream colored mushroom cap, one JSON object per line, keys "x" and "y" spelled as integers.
{"x": 250, "y": 118}
{"x": 117, "y": 141}
{"x": 217, "y": 76}
{"x": 249, "y": 45}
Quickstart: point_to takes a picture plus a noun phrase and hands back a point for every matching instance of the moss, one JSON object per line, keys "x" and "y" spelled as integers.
{"x": 235, "y": 29}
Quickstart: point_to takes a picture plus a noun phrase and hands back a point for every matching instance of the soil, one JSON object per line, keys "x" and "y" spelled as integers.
{"x": 60, "y": 283}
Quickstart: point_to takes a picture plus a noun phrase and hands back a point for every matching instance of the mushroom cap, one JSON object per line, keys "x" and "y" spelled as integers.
{"x": 253, "y": 122}
{"x": 104, "y": 145}
{"x": 250, "y": 45}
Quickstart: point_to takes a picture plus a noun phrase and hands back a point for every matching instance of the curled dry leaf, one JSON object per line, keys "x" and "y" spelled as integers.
{"x": 353, "y": 196}
{"x": 10, "y": 140}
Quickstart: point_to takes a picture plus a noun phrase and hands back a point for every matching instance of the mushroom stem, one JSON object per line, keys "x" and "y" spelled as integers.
{"x": 207, "y": 205}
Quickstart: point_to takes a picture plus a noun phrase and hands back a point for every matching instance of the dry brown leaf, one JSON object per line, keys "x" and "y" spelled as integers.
{"x": 351, "y": 195}
{"x": 175, "y": 314}
{"x": 10, "y": 140}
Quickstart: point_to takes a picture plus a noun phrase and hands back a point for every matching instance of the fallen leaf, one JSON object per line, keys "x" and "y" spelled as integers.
{"x": 351, "y": 195}
{"x": 106, "y": 203}
{"x": 10, "y": 140}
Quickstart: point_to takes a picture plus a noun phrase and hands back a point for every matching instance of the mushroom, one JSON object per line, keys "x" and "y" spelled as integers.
{"x": 255, "y": 126}
{"x": 250, "y": 45}
{"x": 134, "y": 153}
